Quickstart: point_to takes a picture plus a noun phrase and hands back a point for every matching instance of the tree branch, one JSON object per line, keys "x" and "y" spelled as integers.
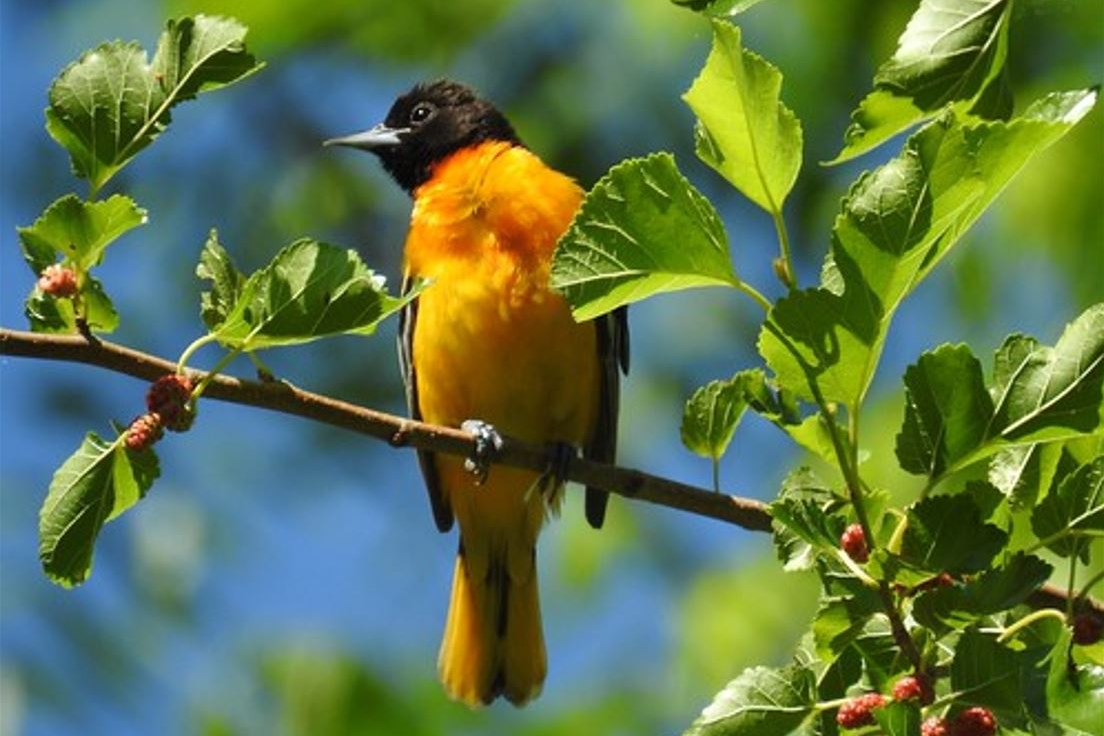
{"x": 282, "y": 397}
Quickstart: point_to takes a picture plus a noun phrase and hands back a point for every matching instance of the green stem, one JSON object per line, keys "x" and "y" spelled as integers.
{"x": 1084, "y": 592}
{"x": 755, "y": 294}
{"x": 189, "y": 351}
{"x": 787, "y": 272}
{"x": 1029, "y": 619}
{"x": 716, "y": 475}
{"x": 225, "y": 361}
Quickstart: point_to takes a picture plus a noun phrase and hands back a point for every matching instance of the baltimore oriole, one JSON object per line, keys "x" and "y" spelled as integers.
{"x": 488, "y": 339}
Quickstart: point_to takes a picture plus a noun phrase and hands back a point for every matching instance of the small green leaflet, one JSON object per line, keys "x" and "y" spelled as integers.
{"x": 96, "y": 484}
{"x": 216, "y": 266}
{"x": 985, "y": 671}
{"x": 744, "y": 131}
{"x": 78, "y": 231}
{"x": 642, "y": 230}
{"x": 49, "y": 314}
{"x": 947, "y": 410}
{"x": 111, "y": 103}
{"x": 946, "y": 534}
{"x": 762, "y": 701}
{"x": 310, "y": 290}
{"x": 1052, "y": 393}
{"x": 1074, "y": 691}
{"x": 952, "y": 51}
{"x": 996, "y": 589}
{"x": 711, "y": 414}
{"x": 1075, "y": 508}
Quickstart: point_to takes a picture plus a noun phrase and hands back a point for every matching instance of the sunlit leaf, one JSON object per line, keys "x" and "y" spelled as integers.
{"x": 947, "y": 410}
{"x": 1074, "y": 508}
{"x": 55, "y": 315}
{"x": 898, "y": 222}
{"x": 762, "y": 701}
{"x": 951, "y": 51}
{"x": 1049, "y": 393}
{"x": 744, "y": 131}
{"x": 310, "y": 290}
{"x": 946, "y": 534}
{"x": 111, "y": 103}
{"x": 78, "y": 231}
{"x": 642, "y": 230}
{"x": 98, "y": 482}
{"x": 1074, "y": 692}
{"x": 216, "y": 266}
{"x": 711, "y": 414}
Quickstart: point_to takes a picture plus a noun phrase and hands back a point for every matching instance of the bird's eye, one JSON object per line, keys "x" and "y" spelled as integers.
{"x": 422, "y": 112}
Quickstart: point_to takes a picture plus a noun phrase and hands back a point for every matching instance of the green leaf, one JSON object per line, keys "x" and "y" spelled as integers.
{"x": 805, "y": 519}
{"x": 97, "y": 483}
{"x": 994, "y": 590}
{"x": 898, "y": 718}
{"x": 841, "y": 620}
{"x": 946, "y": 534}
{"x": 711, "y": 414}
{"x": 1052, "y": 393}
{"x": 310, "y": 290}
{"x": 947, "y": 411}
{"x": 717, "y": 7}
{"x": 642, "y": 230}
{"x": 1074, "y": 692}
{"x": 1072, "y": 510}
{"x": 216, "y": 266}
{"x": 78, "y": 231}
{"x": 1023, "y": 473}
{"x": 986, "y": 672}
{"x": 744, "y": 131}
{"x": 951, "y": 51}
{"x": 898, "y": 222}
{"x": 111, "y": 103}
{"x": 52, "y": 315}
{"x": 762, "y": 701}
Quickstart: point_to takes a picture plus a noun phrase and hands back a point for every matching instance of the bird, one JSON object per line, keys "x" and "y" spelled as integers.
{"x": 489, "y": 346}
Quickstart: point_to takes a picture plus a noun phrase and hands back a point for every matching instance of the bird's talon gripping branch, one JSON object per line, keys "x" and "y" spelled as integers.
{"x": 487, "y": 442}
{"x": 560, "y": 455}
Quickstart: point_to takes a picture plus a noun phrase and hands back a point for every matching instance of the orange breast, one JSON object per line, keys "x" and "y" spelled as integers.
{"x": 492, "y": 341}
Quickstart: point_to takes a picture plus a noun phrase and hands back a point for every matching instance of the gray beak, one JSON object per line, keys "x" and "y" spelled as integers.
{"x": 380, "y": 136}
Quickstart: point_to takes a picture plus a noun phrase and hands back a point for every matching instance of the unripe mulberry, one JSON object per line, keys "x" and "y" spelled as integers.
{"x": 58, "y": 280}
{"x": 143, "y": 432}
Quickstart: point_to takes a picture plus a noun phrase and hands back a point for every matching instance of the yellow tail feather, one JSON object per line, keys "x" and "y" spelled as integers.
{"x": 493, "y": 644}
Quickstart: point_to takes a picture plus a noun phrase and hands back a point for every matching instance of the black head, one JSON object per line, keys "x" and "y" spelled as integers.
{"x": 425, "y": 126}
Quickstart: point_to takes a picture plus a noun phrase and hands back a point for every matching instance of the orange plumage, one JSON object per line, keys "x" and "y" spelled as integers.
{"x": 488, "y": 339}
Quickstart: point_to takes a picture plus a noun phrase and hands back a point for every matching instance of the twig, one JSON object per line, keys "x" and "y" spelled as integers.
{"x": 282, "y": 397}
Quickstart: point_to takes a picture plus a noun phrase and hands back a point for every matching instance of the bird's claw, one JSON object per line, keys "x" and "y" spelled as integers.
{"x": 487, "y": 443}
{"x": 560, "y": 455}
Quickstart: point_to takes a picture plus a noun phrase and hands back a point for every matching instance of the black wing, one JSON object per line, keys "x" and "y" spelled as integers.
{"x": 613, "y": 356}
{"x": 408, "y": 317}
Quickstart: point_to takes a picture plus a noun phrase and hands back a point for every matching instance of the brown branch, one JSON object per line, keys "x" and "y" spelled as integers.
{"x": 399, "y": 432}
{"x": 282, "y": 397}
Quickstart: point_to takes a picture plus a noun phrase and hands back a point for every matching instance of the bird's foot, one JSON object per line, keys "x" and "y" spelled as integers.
{"x": 560, "y": 455}
{"x": 487, "y": 443}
